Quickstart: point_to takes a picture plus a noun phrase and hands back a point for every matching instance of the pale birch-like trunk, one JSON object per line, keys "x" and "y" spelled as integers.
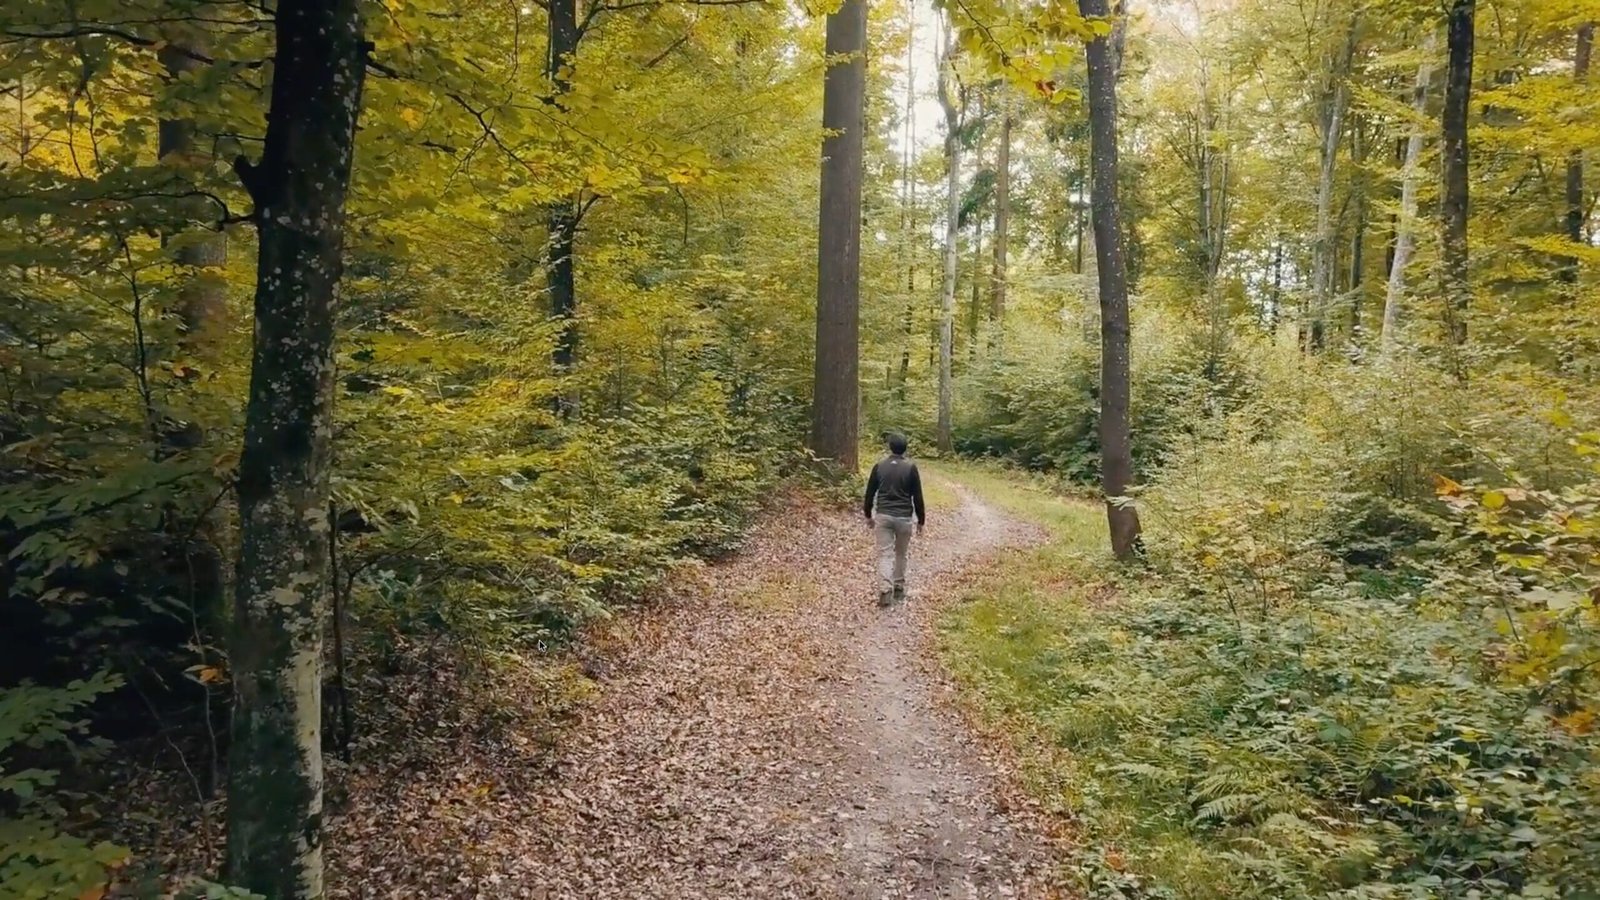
{"x": 1002, "y": 220}
{"x": 1405, "y": 240}
{"x": 280, "y": 600}
{"x": 908, "y": 198}
{"x": 1322, "y": 266}
{"x": 975, "y": 304}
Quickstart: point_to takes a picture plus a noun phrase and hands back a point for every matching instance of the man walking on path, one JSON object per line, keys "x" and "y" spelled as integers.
{"x": 896, "y": 486}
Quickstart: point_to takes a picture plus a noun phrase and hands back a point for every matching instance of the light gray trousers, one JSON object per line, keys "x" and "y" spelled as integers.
{"x": 893, "y": 535}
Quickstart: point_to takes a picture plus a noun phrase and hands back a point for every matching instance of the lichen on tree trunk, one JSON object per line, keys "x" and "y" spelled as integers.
{"x": 280, "y": 600}
{"x": 560, "y": 267}
{"x": 1405, "y": 220}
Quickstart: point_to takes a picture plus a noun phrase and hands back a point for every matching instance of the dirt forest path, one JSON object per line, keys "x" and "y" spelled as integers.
{"x": 772, "y": 733}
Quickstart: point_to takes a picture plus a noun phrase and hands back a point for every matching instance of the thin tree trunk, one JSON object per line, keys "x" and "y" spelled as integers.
{"x": 1275, "y": 310}
{"x": 24, "y": 133}
{"x": 203, "y": 313}
{"x": 908, "y": 326}
{"x": 1002, "y": 220}
{"x": 908, "y": 198}
{"x": 561, "y": 275}
{"x": 202, "y": 296}
{"x": 952, "y": 211}
{"x": 1058, "y": 223}
{"x": 1358, "y": 241}
{"x": 836, "y": 394}
{"x": 1405, "y": 222}
{"x": 1116, "y": 452}
{"x": 1454, "y": 207}
{"x": 1400, "y": 145}
{"x": 298, "y": 188}
{"x": 1322, "y": 278}
{"x": 975, "y": 307}
{"x": 1577, "y": 211}
{"x": 1213, "y": 169}
{"x": 1081, "y": 205}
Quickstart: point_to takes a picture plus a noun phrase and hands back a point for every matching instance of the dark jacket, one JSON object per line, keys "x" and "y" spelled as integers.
{"x": 897, "y": 486}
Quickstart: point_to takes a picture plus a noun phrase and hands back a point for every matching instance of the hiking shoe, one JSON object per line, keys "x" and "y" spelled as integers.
{"x": 900, "y": 595}
{"x": 885, "y": 599}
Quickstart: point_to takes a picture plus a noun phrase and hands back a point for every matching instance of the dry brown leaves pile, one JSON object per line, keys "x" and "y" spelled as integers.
{"x": 766, "y": 731}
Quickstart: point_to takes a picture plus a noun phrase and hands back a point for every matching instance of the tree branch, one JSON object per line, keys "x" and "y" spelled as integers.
{"x": 138, "y": 40}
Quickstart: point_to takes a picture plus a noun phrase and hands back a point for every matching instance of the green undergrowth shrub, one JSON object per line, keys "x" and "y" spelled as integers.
{"x": 1360, "y": 660}
{"x": 43, "y": 730}
{"x": 475, "y": 529}
{"x": 485, "y": 517}
{"x": 1037, "y": 404}
{"x": 526, "y": 547}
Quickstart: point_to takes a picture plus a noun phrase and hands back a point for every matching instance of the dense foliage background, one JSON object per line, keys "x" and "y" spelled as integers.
{"x": 468, "y": 510}
{"x": 1360, "y": 659}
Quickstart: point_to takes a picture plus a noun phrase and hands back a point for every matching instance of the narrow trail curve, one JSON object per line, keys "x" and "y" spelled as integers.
{"x": 772, "y": 733}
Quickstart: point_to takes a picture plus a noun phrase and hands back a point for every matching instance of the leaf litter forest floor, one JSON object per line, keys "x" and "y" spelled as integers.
{"x": 765, "y": 731}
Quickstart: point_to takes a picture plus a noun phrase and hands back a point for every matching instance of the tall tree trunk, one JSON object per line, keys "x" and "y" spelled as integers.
{"x": 1358, "y": 241}
{"x": 202, "y": 297}
{"x": 1002, "y": 220}
{"x": 1322, "y": 266}
{"x": 1577, "y": 211}
{"x": 1213, "y": 171}
{"x": 1405, "y": 238}
{"x": 298, "y": 188}
{"x": 560, "y": 272}
{"x": 1276, "y": 308}
{"x": 908, "y": 325}
{"x": 1116, "y": 451}
{"x": 1058, "y": 222}
{"x": 1400, "y": 145}
{"x": 1454, "y": 206}
{"x": 836, "y": 396}
{"x": 203, "y": 311}
{"x": 975, "y": 307}
{"x": 1081, "y": 206}
{"x": 908, "y": 198}
{"x": 952, "y": 212}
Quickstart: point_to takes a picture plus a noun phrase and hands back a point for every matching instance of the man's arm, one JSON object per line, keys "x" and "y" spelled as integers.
{"x": 872, "y": 491}
{"x": 916, "y": 495}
